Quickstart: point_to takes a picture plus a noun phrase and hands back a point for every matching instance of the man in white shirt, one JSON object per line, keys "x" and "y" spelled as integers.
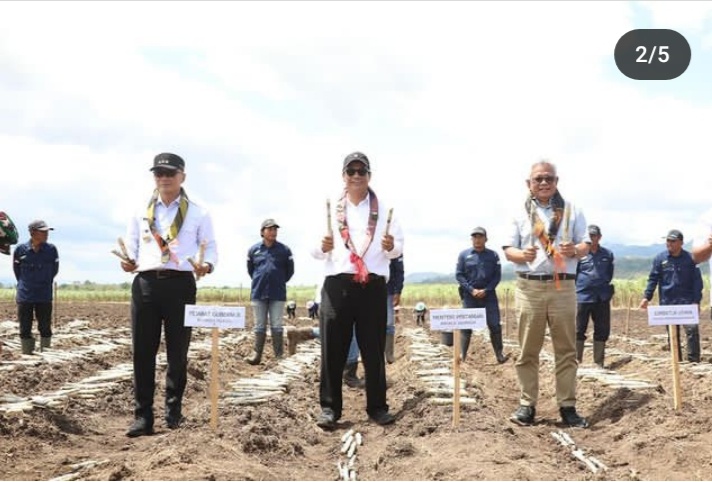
{"x": 356, "y": 270}
{"x": 160, "y": 238}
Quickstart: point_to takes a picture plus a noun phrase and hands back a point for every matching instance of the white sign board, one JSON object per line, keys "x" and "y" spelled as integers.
{"x": 459, "y": 319}
{"x": 215, "y": 316}
{"x": 673, "y": 315}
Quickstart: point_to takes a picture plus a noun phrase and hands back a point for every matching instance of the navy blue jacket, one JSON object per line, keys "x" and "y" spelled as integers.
{"x": 678, "y": 279}
{"x": 478, "y": 270}
{"x": 396, "y": 276}
{"x": 270, "y": 269}
{"x": 35, "y": 272}
{"x": 594, "y": 275}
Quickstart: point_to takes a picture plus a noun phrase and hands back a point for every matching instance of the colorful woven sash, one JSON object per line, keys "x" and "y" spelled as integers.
{"x": 547, "y": 237}
{"x": 171, "y": 238}
{"x": 356, "y": 258}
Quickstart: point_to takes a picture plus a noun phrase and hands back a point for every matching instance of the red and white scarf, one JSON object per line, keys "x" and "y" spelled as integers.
{"x": 356, "y": 257}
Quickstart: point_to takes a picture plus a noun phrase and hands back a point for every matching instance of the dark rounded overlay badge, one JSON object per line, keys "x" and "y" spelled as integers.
{"x": 652, "y": 54}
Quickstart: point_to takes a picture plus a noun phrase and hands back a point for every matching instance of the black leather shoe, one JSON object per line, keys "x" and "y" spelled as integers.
{"x": 501, "y": 357}
{"x": 173, "y": 421}
{"x": 326, "y": 419}
{"x": 383, "y": 418}
{"x": 174, "y": 417}
{"x": 524, "y": 415}
{"x": 139, "y": 427}
{"x": 571, "y": 418}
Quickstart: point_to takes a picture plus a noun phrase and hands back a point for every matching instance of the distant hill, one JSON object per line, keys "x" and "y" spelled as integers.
{"x": 631, "y": 262}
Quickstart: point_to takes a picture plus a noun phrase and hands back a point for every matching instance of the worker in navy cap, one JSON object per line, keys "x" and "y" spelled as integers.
{"x": 679, "y": 282}
{"x": 36, "y": 264}
{"x": 594, "y": 290}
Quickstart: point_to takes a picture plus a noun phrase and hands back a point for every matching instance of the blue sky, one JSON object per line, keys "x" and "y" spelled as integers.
{"x": 452, "y": 101}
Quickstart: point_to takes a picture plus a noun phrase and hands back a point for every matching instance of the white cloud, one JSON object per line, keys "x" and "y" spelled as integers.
{"x": 452, "y": 101}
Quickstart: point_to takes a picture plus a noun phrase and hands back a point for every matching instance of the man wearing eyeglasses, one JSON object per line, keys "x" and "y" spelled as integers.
{"x": 547, "y": 237}
{"x": 356, "y": 268}
{"x": 160, "y": 238}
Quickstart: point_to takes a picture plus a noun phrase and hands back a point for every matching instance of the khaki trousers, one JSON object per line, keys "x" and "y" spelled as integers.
{"x": 538, "y": 304}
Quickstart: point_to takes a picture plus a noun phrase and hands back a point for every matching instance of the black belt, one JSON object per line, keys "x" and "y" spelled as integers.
{"x": 166, "y": 274}
{"x": 547, "y": 277}
{"x": 350, "y": 277}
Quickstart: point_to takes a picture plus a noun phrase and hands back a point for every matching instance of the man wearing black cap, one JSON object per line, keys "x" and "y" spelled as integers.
{"x": 478, "y": 273}
{"x": 594, "y": 289}
{"x": 548, "y": 234}
{"x": 356, "y": 268}
{"x": 270, "y": 265}
{"x": 679, "y": 282}
{"x": 160, "y": 238}
{"x": 35, "y": 264}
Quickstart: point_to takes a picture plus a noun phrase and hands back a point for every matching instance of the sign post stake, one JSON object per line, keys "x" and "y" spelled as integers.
{"x": 214, "y": 380}
{"x": 214, "y": 317}
{"x": 672, "y": 316}
{"x": 456, "y": 378}
{"x": 673, "y": 331}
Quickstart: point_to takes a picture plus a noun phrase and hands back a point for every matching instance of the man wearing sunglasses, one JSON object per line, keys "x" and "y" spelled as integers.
{"x": 547, "y": 237}
{"x": 356, "y": 268}
{"x": 160, "y": 238}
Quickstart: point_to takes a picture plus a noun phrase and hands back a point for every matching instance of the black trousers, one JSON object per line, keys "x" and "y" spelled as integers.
{"x": 157, "y": 303}
{"x": 345, "y": 303}
{"x": 26, "y": 312}
{"x": 600, "y": 313}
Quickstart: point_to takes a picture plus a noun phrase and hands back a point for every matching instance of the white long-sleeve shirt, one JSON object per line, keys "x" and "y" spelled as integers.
{"x": 197, "y": 226}
{"x": 376, "y": 259}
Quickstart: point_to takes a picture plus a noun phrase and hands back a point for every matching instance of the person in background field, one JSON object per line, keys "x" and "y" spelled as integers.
{"x": 702, "y": 244}
{"x": 478, "y": 273}
{"x": 270, "y": 264}
{"x": 679, "y": 282}
{"x": 548, "y": 236}
{"x": 356, "y": 269}
{"x": 313, "y": 309}
{"x": 594, "y": 290}
{"x": 420, "y": 310}
{"x": 160, "y": 238}
{"x": 291, "y": 309}
{"x": 395, "y": 288}
{"x": 35, "y": 263}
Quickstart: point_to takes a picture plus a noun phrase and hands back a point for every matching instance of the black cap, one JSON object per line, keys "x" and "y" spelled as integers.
{"x": 39, "y": 225}
{"x": 595, "y": 230}
{"x": 479, "y": 230}
{"x": 268, "y": 223}
{"x": 166, "y": 160}
{"x": 356, "y": 157}
{"x": 674, "y": 235}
